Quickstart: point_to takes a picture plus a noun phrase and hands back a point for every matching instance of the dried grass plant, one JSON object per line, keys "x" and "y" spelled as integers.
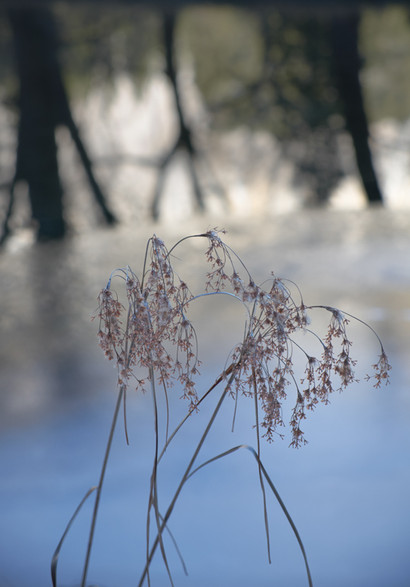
{"x": 148, "y": 331}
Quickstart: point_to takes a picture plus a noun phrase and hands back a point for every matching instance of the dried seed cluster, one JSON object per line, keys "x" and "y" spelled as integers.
{"x": 154, "y": 321}
{"x": 151, "y": 330}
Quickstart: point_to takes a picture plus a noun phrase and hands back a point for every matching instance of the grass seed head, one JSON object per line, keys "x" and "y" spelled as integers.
{"x": 151, "y": 331}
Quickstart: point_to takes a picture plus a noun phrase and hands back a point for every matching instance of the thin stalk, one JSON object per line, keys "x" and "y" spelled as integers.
{"x": 285, "y": 511}
{"x": 205, "y": 395}
{"x": 274, "y": 490}
{"x": 184, "y": 478}
{"x": 265, "y": 508}
{"x": 153, "y": 498}
{"x": 56, "y": 555}
{"x": 332, "y": 310}
{"x": 100, "y": 484}
{"x": 184, "y": 239}
{"x": 174, "y": 542}
{"x": 149, "y": 241}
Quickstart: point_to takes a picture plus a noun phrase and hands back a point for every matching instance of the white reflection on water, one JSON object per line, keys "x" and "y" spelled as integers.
{"x": 347, "y": 490}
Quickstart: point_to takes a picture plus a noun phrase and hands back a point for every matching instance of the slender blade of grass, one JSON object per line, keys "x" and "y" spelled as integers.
{"x": 274, "y": 491}
{"x": 54, "y": 560}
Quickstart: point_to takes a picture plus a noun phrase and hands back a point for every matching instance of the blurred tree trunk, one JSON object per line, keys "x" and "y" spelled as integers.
{"x": 35, "y": 50}
{"x": 184, "y": 138}
{"x": 347, "y": 61}
{"x": 43, "y": 106}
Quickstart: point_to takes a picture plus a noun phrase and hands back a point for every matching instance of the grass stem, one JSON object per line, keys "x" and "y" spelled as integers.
{"x": 100, "y": 485}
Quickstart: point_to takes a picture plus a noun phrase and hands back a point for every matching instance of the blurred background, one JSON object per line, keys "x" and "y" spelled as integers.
{"x": 290, "y": 128}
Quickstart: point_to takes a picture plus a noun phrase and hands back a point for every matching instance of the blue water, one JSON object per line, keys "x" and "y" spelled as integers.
{"x": 347, "y": 490}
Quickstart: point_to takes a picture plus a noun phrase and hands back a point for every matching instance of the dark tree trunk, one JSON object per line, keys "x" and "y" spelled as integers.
{"x": 184, "y": 138}
{"x": 347, "y": 62}
{"x": 35, "y": 48}
{"x": 43, "y": 106}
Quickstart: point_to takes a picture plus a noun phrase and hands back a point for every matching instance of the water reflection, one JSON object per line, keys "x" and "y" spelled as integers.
{"x": 347, "y": 490}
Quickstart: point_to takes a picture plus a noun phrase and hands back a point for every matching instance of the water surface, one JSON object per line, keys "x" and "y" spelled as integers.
{"x": 347, "y": 490}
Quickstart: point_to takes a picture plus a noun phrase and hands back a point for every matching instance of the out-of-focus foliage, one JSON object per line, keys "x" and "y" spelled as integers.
{"x": 298, "y": 58}
{"x": 99, "y": 43}
{"x": 266, "y": 69}
{"x": 385, "y": 44}
{"x": 8, "y": 80}
{"x": 270, "y": 70}
{"x": 225, "y": 47}
{"x": 96, "y": 44}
